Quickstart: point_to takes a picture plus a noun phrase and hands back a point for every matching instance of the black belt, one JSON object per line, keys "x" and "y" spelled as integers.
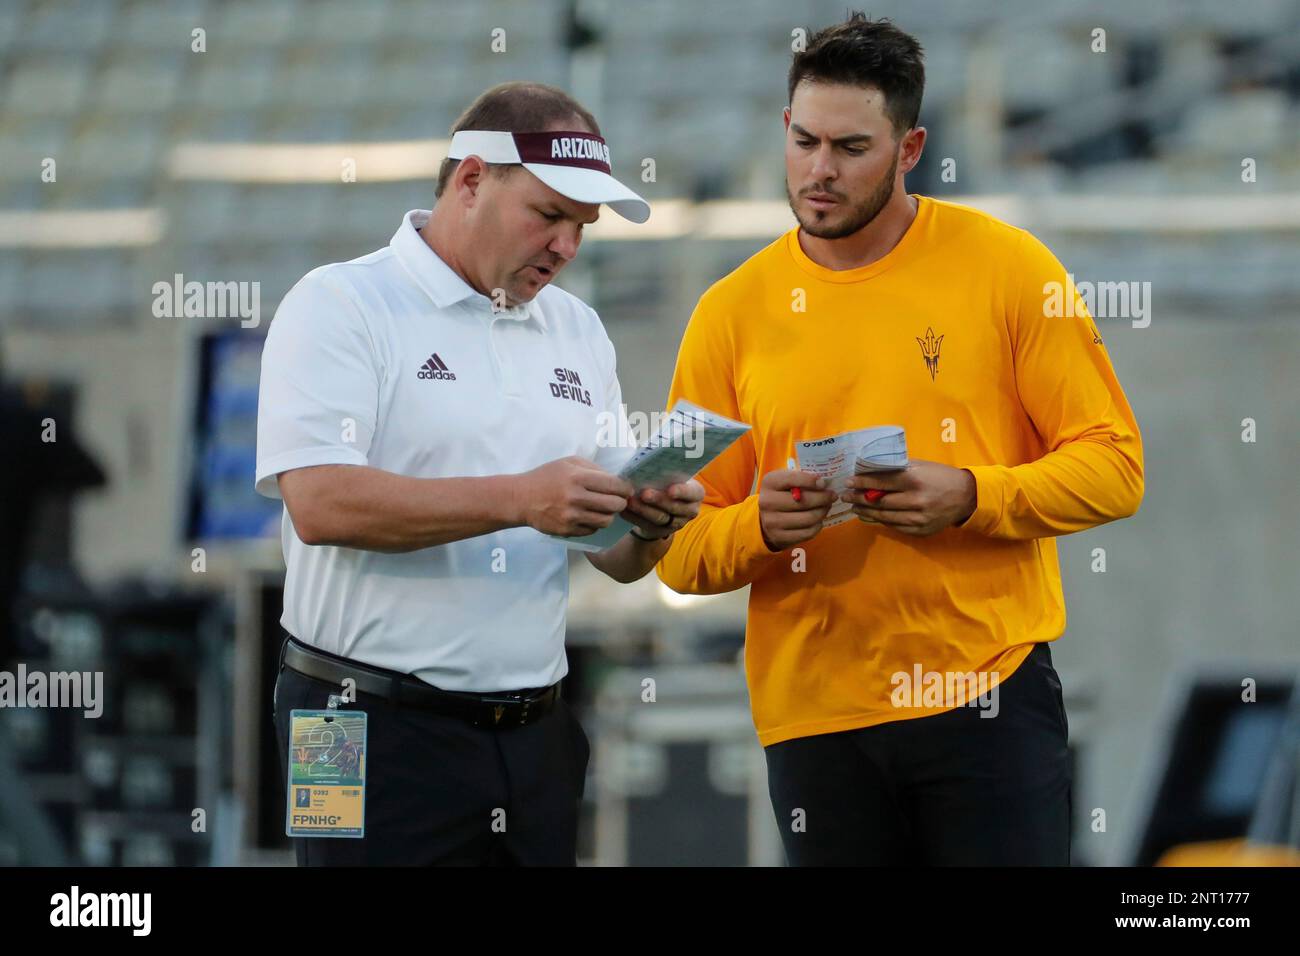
{"x": 503, "y": 709}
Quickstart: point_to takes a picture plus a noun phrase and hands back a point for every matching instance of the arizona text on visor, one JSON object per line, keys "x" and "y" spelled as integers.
{"x": 574, "y": 163}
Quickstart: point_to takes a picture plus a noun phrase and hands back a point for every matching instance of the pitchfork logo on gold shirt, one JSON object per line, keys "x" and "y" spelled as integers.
{"x": 930, "y": 351}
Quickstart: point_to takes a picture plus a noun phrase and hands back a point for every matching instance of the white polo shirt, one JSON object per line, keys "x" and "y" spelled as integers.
{"x": 393, "y": 361}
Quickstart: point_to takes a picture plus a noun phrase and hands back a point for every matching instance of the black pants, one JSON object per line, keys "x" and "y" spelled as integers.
{"x": 953, "y": 789}
{"x": 442, "y": 792}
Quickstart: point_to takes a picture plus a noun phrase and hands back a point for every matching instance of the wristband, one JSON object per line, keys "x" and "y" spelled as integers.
{"x": 641, "y": 537}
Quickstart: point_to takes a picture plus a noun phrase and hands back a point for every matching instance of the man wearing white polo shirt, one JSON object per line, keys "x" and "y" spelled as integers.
{"x": 429, "y": 413}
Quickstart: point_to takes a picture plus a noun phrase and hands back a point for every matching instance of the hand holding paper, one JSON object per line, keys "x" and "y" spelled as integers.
{"x": 866, "y": 451}
{"x": 660, "y": 513}
{"x": 572, "y": 496}
{"x": 920, "y": 500}
{"x": 689, "y": 439}
{"x": 792, "y": 506}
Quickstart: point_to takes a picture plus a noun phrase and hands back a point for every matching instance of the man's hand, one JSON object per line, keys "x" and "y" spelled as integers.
{"x": 659, "y": 513}
{"x": 784, "y": 521}
{"x": 921, "y": 500}
{"x": 571, "y": 497}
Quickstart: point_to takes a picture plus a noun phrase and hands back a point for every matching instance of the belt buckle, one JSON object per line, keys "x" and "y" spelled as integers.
{"x": 499, "y": 703}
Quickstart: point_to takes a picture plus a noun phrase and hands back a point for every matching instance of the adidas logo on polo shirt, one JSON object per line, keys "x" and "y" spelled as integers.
{"x": 435, "y": 367}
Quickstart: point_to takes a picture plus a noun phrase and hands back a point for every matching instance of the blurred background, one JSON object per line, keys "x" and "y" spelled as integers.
{"x": 142, "y": 141}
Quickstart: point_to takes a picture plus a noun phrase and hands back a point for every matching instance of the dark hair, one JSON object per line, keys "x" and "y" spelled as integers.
{"x": 518, "y": 107}
{"x": 863, "y": 52}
